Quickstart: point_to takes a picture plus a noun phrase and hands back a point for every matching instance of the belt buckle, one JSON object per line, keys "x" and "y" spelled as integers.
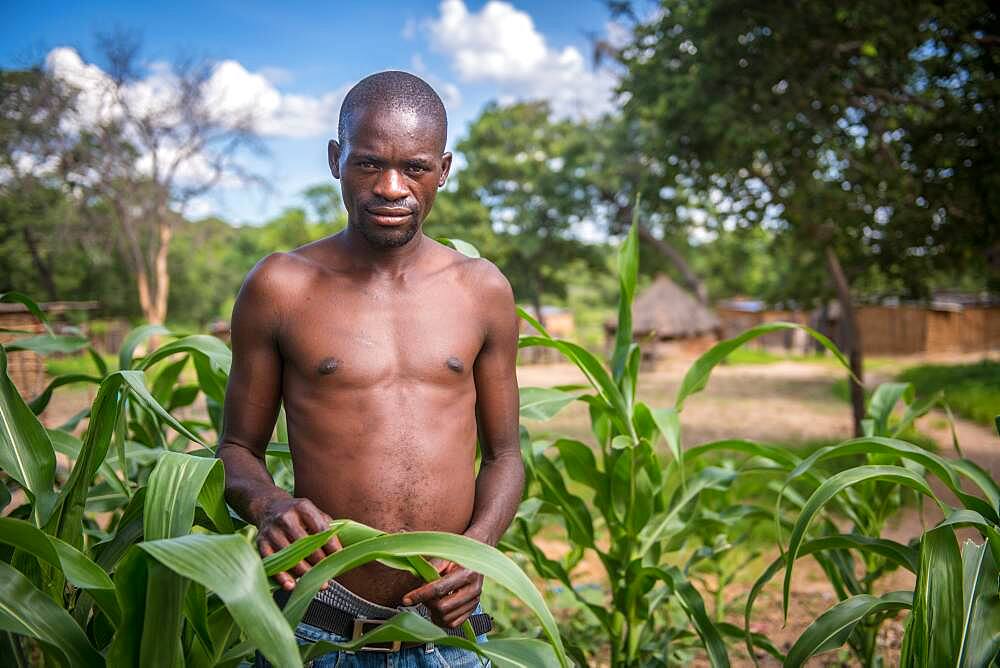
{"x": 359, "y": 630}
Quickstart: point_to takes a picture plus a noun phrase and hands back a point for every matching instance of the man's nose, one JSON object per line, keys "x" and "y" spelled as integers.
{"x": 390, "y": 185}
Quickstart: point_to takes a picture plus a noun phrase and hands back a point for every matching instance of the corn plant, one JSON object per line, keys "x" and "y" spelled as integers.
{"x": 174, "y": 578}
{"x": 648, "y": 512}
{"x": 954, "y": 609}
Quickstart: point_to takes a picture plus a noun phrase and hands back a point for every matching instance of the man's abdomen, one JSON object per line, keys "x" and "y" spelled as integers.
{"x": 399, "y": 457}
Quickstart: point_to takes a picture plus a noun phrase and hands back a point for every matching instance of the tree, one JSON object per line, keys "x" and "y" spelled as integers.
{"x": 866, "y": 132}
{"x": 33, "y": 109}
{"x": 148, "y": 150}
{"x": 529, "y": 170}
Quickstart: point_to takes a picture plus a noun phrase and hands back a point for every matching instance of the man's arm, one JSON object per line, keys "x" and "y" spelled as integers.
{"x": 500, "y": 483}
{"x": 252, "y": 399}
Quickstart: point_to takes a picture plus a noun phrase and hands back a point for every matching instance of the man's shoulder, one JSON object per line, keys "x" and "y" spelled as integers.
{"x": 278, "y": 276}
{"x": 478, "y": 274}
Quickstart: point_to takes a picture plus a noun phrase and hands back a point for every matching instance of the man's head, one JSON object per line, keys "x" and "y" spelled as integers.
{"x": 390, "y": 156}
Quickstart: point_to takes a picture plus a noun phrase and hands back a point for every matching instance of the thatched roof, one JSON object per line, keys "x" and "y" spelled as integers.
{"x": 667, "y": 311}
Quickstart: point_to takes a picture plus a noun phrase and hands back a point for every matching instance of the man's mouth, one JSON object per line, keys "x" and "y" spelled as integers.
{"x": 389, "y": 215}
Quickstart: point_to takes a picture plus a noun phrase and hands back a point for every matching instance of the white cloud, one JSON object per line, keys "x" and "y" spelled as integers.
{"x": 499, "y": 44}
{"x": 231, "y": 88}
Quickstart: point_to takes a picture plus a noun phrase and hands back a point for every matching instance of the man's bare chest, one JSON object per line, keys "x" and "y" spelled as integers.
{"x": 360, "y": 338}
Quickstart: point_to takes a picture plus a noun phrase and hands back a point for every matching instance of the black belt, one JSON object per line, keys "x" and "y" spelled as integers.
{"x": 334, "y": 620}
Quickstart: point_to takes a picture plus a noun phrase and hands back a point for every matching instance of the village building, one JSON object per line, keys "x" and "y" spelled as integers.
{"x": 668, "y": 321}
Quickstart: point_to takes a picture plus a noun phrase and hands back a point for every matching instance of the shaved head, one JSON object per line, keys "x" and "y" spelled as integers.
{"x": 393, "y": 91}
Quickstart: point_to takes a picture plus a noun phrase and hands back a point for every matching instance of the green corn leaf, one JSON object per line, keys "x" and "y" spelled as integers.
{"x": 39, "y": 403}
{"x": 209, "y": 348}
{"x": 831, "y": 629}
{"x": 914, "y": 410}
{"x": 66, "y": 521}
{"x": 127, "y": 532}
{"x": 759, "y": 640}
{"x": 131, "y": 577}
{"x": 778, "y": 455}
{"x": 572, "y": 508}
{"x": 628, "y": 273}
{"x": 981, "y": 478}
{"x": 970, "y": 518}
{"x": 26, "y": 453}
{"x": 668, "y": 422}
{"x": 694, "y": 607}
{"x": 697, "y": 376}
{"x": 230, "y": 567}
{"x": 135, "y": 380}
{"x": 656, "y": 529}
{"x": 27, "y": 611}
{"x": 29, "y": 304}
{"x": 47, "y": 344}
{"x": 166, "y": 380}
{"x": 901, "y": 555}
{"x": 580, "y": 464}
{"x": 69, "y": 445}
{"x": 163, "y": 619}
{"x": 884, "y": 400}
{"x": 935, "y": 626}
{"x": 830, "y": 488}
{"x": 594, "y": 371}
{"x": 980, "y": 636}
{"x": 99, "y": 363}
{"x": 463, "y": 247}
{"x": 465, "y": 551}
{"x": 942, "y": 468}
{"x": 175, "y": 487}
{"x": 134, "y": 339}
{"x": 542, "y": 403}
{"x": 74, "y": 565}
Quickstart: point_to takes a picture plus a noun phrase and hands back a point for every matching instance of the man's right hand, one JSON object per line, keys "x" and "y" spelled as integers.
{"x": 285, "y": 521}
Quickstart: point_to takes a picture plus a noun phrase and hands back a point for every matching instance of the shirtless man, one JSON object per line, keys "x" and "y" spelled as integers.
{"x": 390, "y": 352}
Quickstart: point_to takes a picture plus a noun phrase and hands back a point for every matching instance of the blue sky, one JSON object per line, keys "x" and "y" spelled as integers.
{"x": 299, "y": 58}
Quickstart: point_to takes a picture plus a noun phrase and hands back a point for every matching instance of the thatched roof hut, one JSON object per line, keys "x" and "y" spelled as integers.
{"x": 667, "y": 314}
{"x": 666, "y": 311}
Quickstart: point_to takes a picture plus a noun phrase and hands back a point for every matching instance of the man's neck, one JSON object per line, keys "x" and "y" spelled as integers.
{"x": 389, "y": 261}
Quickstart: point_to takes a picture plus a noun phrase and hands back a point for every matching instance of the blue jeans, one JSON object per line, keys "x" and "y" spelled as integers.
{"x": 434, "y": 656}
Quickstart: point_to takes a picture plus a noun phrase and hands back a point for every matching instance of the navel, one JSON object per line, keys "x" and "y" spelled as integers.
{"x": 328, "y": 366}
{"x": 455, "y": 364}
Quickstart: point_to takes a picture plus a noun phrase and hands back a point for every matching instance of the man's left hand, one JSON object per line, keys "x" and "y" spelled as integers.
{"x": 451, "y": 598}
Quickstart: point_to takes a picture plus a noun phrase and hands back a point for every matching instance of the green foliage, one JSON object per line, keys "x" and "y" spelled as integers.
{"x": 648, "y": 515}
{"x": 171, "y": 579}
{"x": 971, "y": 390}
{"x": 866, "y": 127}
{"x": 528, "y": 170}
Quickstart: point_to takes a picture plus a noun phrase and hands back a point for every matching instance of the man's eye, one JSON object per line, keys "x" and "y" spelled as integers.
{"x": 366, "y": 164}
{"x": 416, "y": 169}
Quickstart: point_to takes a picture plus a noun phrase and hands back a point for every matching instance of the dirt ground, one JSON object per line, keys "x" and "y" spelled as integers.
{"x": 783, "y": 402}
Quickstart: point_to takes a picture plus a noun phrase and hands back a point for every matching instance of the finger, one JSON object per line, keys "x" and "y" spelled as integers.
{"x": 440, "y": 587}
{"x": 300, "y": 569}
{"x": 265, "y": 549}
{"x": 459, "y": 599}
{"x": 315, "y": 520}
{"x": 316, "y": 556}
{"x": 440, "y": 565}
{"x": 292, "y": 526}
{"x": 457, "y": 617}
{"x": 286, "y": 581}
{"x": 332, "y": 545}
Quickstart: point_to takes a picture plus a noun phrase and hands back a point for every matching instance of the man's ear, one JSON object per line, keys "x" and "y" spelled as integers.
{"x": 445, "y": 169}
{"x": 333, "y": 155}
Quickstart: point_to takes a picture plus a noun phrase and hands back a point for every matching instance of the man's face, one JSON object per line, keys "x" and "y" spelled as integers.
{"x": 390, "y": 168}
